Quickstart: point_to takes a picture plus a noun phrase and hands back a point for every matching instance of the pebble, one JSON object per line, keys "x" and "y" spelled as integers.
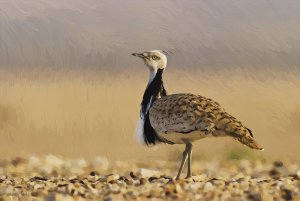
{"x": 52, "y": 178}
{"x": 100, "y": 162}
{"x": 112, "y": 177}
{"x": 201, "y": 177}
{"x": 178, "y": 188}
{"x": 208, "y": 186}
{"x": 143, "y": 172}
{"x": 76, "y": 166}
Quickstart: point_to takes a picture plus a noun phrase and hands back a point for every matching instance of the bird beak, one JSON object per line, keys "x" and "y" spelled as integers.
{"x": 138, "y": 55}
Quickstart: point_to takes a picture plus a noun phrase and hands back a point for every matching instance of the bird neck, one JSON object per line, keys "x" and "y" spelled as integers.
{"x": 152, "y": 75}
{"x": 155, "y": 89}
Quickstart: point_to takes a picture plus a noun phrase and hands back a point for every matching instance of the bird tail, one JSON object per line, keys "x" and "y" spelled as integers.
{"x": 244, "y": 135}
{"x": 227, "y": 125}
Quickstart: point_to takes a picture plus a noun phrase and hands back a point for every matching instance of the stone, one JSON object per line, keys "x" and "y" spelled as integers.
{"x": 146, "y": 173}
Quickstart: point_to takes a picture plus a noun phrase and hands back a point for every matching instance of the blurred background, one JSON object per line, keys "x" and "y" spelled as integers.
{"x": 69, "y": 85}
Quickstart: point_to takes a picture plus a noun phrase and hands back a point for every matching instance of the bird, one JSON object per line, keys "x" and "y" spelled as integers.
{"x": 182, "y": 118}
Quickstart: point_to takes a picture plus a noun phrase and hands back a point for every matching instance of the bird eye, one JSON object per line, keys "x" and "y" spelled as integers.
{"x": 154, "y": 57}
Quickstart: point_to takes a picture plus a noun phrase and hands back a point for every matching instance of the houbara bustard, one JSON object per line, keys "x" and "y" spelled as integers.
{"x": 182, "y": 118}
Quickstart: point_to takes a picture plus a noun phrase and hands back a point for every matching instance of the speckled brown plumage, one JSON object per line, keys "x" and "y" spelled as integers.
{"x": 193, "y": 117}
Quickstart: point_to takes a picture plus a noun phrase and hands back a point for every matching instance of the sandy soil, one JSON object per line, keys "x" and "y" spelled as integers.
{"x": 56, "y": 178}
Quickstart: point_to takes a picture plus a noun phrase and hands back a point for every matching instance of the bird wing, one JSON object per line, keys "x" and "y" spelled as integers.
{"x": 185, "y": 113}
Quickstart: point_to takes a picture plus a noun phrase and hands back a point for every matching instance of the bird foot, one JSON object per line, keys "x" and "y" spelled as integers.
{"x": 189, "y": 178}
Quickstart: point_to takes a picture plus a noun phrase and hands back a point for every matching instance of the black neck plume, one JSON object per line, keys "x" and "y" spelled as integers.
{"x": 153, "y": 91}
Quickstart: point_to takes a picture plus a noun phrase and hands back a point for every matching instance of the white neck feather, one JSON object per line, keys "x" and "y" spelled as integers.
{"x": 140, "y": 124}
{"x": 152, "y": 75}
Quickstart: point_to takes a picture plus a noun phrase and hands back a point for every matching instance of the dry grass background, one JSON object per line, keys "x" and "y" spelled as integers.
{"x": 244, "y": 54}
{"x": 80, "y": 113}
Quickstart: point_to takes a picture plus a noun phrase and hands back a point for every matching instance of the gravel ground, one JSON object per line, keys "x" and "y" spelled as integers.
{"x": 54, "y": 178}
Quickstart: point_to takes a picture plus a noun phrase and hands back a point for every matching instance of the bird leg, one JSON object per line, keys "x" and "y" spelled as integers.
{"x": 189, "y": 171}
{"x": 188, "y": 147}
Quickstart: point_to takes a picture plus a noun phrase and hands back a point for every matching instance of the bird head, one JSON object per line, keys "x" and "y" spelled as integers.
{"x": 154, "y": 59}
